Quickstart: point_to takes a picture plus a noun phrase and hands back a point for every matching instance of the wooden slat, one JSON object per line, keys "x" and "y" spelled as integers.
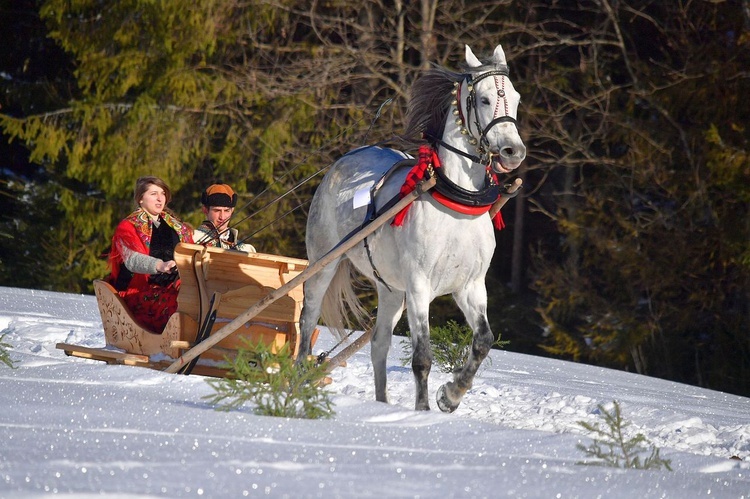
{"x": 252, "y": 335}
{"x": 233, "y": 303}
{"x": 129, "y": 359}
{"x": 245, "y": 271}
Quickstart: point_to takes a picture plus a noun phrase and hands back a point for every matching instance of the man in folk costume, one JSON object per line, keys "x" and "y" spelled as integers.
{"x": 141, "y": 260}
{"x": 218, "y": 202}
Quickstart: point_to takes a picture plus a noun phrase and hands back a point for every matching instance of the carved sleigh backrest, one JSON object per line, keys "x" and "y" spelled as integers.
{"x": 122, "y": 330}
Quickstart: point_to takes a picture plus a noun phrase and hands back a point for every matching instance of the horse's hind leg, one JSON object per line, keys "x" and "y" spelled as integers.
{"x": 473, "y": 303}
{"x": 314, "y": 291}
{"x": 390, "y": 308}
{"x": 417, "y": 309}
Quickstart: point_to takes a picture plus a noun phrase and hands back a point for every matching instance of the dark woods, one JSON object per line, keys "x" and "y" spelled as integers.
{"x": 629, "y": 247}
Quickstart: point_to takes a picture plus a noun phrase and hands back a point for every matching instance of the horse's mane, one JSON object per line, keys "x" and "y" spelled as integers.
{"x": 430, "y": 100}
{"x": 429, "y": 103}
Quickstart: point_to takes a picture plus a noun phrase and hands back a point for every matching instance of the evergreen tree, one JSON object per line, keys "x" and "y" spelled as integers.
{"x": 30, "y": 67}
{"x": 653, "y": 278}
{"x": 170, "y": 89}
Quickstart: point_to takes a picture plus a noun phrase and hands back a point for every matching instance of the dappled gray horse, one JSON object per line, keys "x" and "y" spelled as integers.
{"x": 443, "y": 242}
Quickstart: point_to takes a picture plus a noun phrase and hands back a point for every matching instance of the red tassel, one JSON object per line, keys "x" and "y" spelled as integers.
{"x": 498, "y": 221}
{"x": 426, "y": 157}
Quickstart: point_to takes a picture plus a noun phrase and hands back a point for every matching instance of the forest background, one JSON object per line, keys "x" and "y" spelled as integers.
{"x": 629, "y": 247}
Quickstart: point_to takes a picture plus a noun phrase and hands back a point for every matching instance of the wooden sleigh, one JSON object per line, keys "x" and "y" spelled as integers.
{"x": 235, "y": 281}
{"x": 260, "y": 298}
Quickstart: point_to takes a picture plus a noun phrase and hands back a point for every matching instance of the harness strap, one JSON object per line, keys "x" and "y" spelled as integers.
{"x": 372, "y": 213}
{"x": 375, "y": 269}
{"x": 460, "y": 207}
{"x": 472, "y": 157}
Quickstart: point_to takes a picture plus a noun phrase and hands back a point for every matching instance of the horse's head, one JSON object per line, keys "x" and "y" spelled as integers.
{"x": 489, "y": 112}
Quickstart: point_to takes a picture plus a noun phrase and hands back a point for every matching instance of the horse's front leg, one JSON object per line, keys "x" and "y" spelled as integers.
{"x": 417, "y": 309}
{"x": 473, "y": 303}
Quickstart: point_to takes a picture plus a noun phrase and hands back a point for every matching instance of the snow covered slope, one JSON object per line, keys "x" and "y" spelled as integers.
{"x": 75, "y": 427}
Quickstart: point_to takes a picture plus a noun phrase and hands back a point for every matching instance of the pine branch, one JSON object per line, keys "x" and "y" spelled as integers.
{"x": 124, "y": 107}
{"x": 4, "y": 354}
{"x": 274, "y": 383}
{"x": 611, "y": 448}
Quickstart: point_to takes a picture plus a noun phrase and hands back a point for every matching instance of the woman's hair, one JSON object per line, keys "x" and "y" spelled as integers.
{"x": 141, "y": 186}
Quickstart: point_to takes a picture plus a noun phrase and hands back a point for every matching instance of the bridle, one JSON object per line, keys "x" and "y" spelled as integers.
{"x": 481, "y": 142}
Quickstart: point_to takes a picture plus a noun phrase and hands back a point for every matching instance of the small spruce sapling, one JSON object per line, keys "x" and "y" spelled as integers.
{"x": 451, "y": 345}
{"x": 274, "y": 383}
{"x": 611, "y": 449}
{"x": 4, "y": 354}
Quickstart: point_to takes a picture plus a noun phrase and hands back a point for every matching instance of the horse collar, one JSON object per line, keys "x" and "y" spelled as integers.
{"x": 446, "y": 192}
{"x": 449, "y": 190}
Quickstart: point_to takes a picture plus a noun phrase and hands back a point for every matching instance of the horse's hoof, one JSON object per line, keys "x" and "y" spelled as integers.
{"x": 443, "y": 402}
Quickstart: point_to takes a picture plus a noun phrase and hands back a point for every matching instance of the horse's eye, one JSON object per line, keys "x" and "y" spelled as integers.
{"x": 485, "y": 101}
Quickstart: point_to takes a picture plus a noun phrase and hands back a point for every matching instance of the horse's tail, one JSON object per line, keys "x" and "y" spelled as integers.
{"x": 341, "y": 307}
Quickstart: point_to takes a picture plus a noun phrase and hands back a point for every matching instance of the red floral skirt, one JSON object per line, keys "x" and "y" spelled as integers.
{"x": 153, "y": 305}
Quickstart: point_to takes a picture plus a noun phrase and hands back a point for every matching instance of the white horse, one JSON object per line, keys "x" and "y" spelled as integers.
{"x": 470, "y": 120}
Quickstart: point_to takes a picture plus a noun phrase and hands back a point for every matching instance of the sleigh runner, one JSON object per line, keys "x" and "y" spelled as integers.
{"x": 234, "y": 281}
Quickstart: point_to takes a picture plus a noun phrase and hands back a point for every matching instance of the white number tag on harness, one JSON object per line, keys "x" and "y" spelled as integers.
{"x": 361, "y": 198}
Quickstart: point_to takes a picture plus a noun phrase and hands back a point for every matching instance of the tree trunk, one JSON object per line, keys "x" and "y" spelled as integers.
{"x": 427, "y": 38}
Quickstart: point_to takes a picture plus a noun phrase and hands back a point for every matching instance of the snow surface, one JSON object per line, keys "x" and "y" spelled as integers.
{"x": 77, "y": 428}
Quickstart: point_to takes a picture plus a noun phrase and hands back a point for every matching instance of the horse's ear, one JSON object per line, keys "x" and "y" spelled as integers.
{"x": 471, "y": 59}
{"x": 499, "y": 56}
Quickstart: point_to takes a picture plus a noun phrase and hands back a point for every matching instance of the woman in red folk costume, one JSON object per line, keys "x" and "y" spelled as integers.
{"x": 141, "y": 260}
